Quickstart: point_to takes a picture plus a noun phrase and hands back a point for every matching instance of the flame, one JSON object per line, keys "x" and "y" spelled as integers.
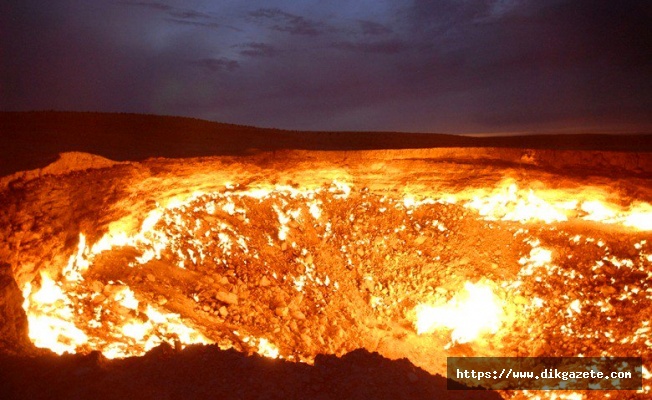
{"x": 267, "y": 349}
{"x": 508, "y": 202}
{"x": 264, "y": 347}
{"x": 50, "y": 319}
{"x": 639, "y": 217}
{"x": 469, "y": 314}
{"x": 53, "y": 309}
{"x": 127, "y": 299}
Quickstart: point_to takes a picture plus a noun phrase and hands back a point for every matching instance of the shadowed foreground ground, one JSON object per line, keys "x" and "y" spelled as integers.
{"x": 207, "y": 372}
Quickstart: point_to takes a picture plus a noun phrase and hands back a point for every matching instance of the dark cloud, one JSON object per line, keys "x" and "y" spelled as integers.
{"x": 534, "y": 64}
{"x": 217, "y": 64}
{"x": 286, "y": 22}
{"x": 379, "y": 47}
{"x": 182, "y": 16}
{"x": 373, "y": 28}
{"x": 438, "y": 65}
{"x": 211, "y": 25}
{"x": 256, "y": 49}
{"x": 176, "y": 12}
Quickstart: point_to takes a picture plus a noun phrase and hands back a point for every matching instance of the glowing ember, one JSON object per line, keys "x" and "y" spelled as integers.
{"x": 211, "y": 235}
{"x": 127, "y": 299}
{"x": 52, "y": 311}
{"x": 265, "y": 348}
{"x": 639, "y": 217}
{"x": 50, "y": 318}
{"x": 469, "y": 314}
{"x": 511, "y": 204}
{"x": 508, "y": 202}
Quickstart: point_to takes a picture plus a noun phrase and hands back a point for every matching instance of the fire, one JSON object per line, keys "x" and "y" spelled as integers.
{"x": 508, "y": 202}
{"x": 50, "y": 319}
{"x": 121, "y": 325}
{"x": 640, "y": 217}
{"x": 267, "y": 349}
{"x": 263, "y": 346}
{"x": 468, "y": 315}
{"x": 53, "y": 309}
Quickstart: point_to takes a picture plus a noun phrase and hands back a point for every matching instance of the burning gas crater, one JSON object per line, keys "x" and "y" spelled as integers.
{"x": 292, "y": 273}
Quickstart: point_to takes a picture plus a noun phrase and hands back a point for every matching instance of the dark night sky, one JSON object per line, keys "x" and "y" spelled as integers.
{"x": 456, "y": 66}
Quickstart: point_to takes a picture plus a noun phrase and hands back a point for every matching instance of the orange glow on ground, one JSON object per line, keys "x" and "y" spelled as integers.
{"x": 469, "y": 314}
{"x": 391, "y": 250}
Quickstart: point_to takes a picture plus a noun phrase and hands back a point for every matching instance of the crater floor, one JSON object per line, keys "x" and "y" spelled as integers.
{"x": 295, "y": 254}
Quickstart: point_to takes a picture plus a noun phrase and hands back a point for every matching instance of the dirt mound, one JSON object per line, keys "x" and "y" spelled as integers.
{"x": 207, "y": 372}
{"x": 65, "y": 164}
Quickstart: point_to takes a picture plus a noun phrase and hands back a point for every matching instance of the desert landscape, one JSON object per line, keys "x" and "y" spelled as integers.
{"x": 238, "y": 262}
{"x": 325, "y": 200}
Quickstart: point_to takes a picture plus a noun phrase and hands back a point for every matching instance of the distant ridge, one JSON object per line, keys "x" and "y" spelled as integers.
{"x": 31, "y": 140}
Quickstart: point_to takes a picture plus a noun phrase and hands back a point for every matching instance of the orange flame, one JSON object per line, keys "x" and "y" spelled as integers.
{"x": 468, "y": 314}
{"x": 473, "y": 312}
{"x": 50, "y": 318}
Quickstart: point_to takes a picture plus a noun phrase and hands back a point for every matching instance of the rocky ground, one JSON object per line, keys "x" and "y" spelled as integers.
{"x": 319, "y": 258}
{"x": 207, "y": 372}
